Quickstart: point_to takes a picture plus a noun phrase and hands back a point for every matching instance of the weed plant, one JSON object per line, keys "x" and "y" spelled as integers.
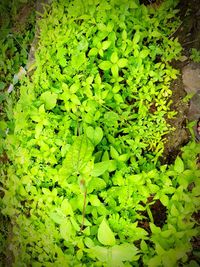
{"x": 83, "y": 175}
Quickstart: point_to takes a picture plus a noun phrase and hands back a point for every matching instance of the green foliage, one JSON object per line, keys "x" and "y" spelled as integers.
{"x": 88, "y": 132}
{"x": 17, "y": 32}
{"x": 195, "y": 55}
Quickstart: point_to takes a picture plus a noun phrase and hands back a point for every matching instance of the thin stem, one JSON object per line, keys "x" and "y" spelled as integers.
{"x": 84, "y": 208}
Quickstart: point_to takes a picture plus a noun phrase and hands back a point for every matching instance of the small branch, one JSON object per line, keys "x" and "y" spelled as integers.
{"x": 190, "y": 42}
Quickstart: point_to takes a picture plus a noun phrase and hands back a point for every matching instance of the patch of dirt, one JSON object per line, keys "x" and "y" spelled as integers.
{"x": 188, "y": 35}
{"x": 22, "y": 16}
{"x": 188, "y": 82}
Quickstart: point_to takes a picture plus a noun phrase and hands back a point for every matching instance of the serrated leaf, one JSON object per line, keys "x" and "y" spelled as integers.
{"x": 79, "y": 154}
{"x": 105, "y": 65}
{"x": 105, "y": 234}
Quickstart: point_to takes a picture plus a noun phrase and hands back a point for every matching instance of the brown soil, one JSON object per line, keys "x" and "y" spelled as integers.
{"x": 189, "y": 36}
{"x": 20, "y": 20}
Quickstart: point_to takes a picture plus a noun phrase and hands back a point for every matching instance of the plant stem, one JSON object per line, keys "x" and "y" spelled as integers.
{"x": 84, "y": 207}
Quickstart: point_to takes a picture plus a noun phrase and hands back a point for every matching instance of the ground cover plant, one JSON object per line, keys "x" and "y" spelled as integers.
{"x": 83, "y": 185}
{"x": 17, "y": 32}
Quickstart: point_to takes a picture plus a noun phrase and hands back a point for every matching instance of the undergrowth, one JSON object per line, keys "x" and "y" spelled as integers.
{"x": 83, "y": 178}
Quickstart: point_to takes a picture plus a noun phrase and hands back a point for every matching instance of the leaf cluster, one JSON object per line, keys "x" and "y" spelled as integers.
{"x": 88, "y": 132}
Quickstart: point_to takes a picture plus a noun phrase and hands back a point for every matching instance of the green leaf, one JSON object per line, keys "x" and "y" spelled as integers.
{"x": 96, "y": 184}
{"x": 122, "y": 62}
{"x": 136, "y": 38}
{"x": 49, "y": 99}
{"x": 66, "y": 208}
{"x": 164, "y": 200}
{"x": 93, "y": 52}
{"x": 79, "y": 154}
{"x": 105, "y": 234}
{"x": 78, "y": 59}
{"x": 98, "y": 135}
{"x": 100, "y": 168}
{"x": 57, "y": 218}
{"x": 111, "y": 118}
{"x": 113, "y": 152}
{"x": 94, "y": 200}
{"x": 99, "y": 252}
{"x": 114, "y": 57}
{"x": 154, "y": 228}
{"x": 123, "y": 252}
{"x": 179, "y": 165}
{"x": 106, "y": 44}
{"x": 114, "y": 70}
{"x": 105, "y": 65}
{"x": 116, "y": 255}
{"x": 95, "y": 135}
{"x": 144, "y": 53}
{"x": 66, "y": 230}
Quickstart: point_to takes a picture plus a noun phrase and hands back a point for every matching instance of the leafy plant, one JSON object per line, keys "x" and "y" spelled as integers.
{"x": 89, "y": 129}
{"x": 195, "y": 55}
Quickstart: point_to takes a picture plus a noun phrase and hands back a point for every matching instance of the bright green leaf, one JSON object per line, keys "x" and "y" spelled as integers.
{"x": 105, "y": 65}
{"x": 105, "y": 234}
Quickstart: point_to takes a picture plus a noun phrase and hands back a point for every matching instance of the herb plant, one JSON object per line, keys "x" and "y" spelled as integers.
{"x": 89, "y": 126}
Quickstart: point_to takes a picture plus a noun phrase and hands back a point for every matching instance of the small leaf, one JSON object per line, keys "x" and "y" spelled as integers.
{"x": 66, "y": 208}
{"x": 100, "y": 168}
{"x": 93, "y": 52}
{"x": 154, "y": 228}
{"x": 114, "y": 70}
{"x": 57, "y": 218}
{"x": 164, "y": 200}
{"x": 95, "y": 135}
{"x": 113, "y": 152}
{"x": 144, "y": 53}
{"x": 49, "y": 99}
{"x": 179, "y": 165}
{"x": 122, "y": 62}
{"x": 136, "y": 38}
{"x": 106, "y": 44}
{"x": 98, "y": 135}
{"x": 114, "y": 57}
{"x": 66, "y": 230}
{"x": 105, "y": 65}
{"x": 105, "y": 234}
